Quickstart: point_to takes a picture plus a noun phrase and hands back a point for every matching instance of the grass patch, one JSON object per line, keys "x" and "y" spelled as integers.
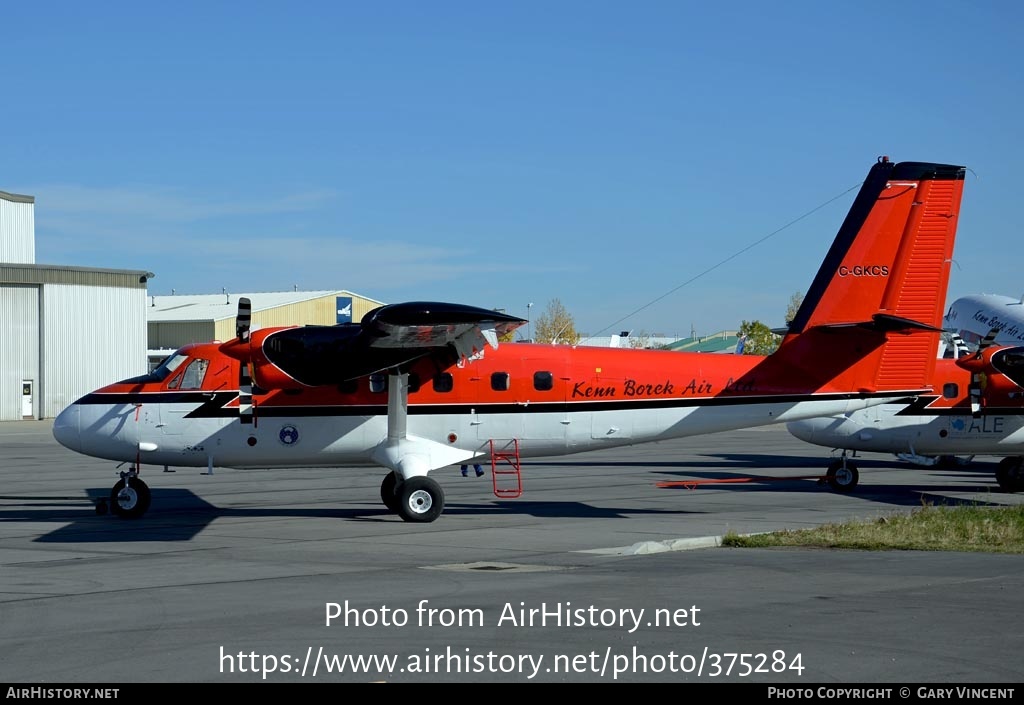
{"x": 972, "y": 528}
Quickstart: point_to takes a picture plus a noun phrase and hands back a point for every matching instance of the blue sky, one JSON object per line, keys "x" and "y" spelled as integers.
{"x": 607, "y": 154}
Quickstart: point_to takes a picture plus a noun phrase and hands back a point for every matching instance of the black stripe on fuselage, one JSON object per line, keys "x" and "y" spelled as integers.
{"x": 919, "y": 407}
{"x": 215, "y": 405}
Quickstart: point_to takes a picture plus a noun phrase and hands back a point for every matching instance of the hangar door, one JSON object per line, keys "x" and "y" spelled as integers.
{"x": 19, "y": 348}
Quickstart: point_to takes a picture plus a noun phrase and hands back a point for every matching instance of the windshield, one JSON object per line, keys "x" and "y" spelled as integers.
{"x": 162, "y": 372}
{"x": 1011, "y": 363}
{"x": 168, "y": 366}
{"x": 192, "y": 377}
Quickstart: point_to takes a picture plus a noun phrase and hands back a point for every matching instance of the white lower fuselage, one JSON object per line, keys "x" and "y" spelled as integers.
{"x": 881, "y": 429}
{"x": 160, "y": 434}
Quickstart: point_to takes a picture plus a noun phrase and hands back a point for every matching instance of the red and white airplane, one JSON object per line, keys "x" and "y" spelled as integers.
{"x": 419, "y": 386}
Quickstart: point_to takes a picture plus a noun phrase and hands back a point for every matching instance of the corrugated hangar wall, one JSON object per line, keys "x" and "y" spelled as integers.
{"x": 19, "y": 311}
{"x": 65, "y": 340}
{"x": 171, "y": 335}
{"x": 95, "y": 335}
{"x": 64, "y": 331}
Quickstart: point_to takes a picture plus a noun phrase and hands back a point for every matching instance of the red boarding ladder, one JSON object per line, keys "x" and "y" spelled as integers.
{"x": 506, "y": 451}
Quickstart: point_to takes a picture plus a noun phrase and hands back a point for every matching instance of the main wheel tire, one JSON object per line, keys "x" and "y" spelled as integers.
{"x": 1010, "y": 474}
{"x": 842, "y": 476}
{"x": 389, "y": 491}
{"x": 420, "y": 499}
{"x": 129, "y": 498}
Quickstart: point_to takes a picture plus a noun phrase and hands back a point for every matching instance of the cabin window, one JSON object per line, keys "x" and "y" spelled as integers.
{"x": 349, "y": 386}
{"x": 500, "y": 381}
{"x": 414, "y": 382}
{"x": 543, "y": 381}
{"x": 378, "y": 383}
{"x": 443, "y": 382}
{"x": 192, "y": 377}
{"x": 951, "y": 390}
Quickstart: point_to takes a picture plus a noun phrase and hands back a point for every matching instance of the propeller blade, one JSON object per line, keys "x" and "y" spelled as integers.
{"x": 245, "y": 406}
{"x": 976, "y": 391}
{"x": 988, "y": 339}
{"x": 243, "y": 322}
{"x": 243, "y": 325}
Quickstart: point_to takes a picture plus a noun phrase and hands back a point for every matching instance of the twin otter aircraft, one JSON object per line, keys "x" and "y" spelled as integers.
{"x": 977, "y": 409}
{"x": 415, "y": 386}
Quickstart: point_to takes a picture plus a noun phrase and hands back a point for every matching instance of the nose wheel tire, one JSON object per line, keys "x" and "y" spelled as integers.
{"x": 129, "y": 498}
{"x": 842, "y": 475}
{"x": 420, "y": 499}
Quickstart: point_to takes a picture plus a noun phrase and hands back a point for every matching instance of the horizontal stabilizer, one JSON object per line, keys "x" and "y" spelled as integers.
{"x": 892, "y": 324}
{"x": 885, "y": 323}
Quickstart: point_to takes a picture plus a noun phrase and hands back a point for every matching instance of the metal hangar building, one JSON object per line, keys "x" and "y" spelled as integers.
{"x": 64, "y": 331}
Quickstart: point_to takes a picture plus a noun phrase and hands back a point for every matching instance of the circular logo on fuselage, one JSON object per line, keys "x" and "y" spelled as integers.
{"x": 289, "y": 435}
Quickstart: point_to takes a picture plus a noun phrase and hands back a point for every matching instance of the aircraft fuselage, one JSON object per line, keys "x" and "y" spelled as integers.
{"x": 552, "y": 399}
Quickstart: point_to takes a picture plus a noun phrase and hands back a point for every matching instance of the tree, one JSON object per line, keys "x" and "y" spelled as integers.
{"x": 759, "y": 338}
{"x": 555, "y": 325}
{"x": 794, "y": 305}
{"x": 639, "y": 340}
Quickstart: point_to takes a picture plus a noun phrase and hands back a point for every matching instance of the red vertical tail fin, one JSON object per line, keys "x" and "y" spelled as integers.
{"x": 873, "y": 314}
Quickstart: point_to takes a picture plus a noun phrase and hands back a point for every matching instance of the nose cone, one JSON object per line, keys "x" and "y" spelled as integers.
{"x": 66, "y": 428}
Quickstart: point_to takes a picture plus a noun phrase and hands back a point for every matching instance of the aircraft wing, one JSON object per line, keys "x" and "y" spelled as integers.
{"x": 423, "y": 324}
{"x": 387, "y": 338}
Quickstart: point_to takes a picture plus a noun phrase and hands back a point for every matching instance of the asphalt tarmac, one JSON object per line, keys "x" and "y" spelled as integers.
{"x": 593, "y": 574}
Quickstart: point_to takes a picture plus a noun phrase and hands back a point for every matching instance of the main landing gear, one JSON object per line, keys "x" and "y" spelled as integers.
{"x": 418, "y": 499}
{"x": 1010, "y": 474}
{"x": 129, "y": 498}
{"x": 842, "y": 474}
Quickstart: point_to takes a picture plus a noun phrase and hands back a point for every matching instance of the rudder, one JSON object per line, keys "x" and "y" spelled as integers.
{"x": 893, "y": 251}
{"x": 882, "y": 285}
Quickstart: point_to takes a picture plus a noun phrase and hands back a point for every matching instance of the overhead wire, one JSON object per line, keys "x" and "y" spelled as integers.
{"x": 730, "y": 257}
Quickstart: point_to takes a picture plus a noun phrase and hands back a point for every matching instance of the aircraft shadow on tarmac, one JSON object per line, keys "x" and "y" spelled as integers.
{"x": 727, "y": 472}
{"x": 180, "y": 515}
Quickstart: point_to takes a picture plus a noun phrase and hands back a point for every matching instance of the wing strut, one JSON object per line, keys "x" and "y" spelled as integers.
{"x": 408, "y": 455}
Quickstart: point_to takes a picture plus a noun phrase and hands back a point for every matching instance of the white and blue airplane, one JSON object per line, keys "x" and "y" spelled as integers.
{"x": 979, "y": 411}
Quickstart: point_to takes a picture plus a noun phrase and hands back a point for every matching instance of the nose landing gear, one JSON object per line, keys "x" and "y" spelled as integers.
{"x": 129, "y": 497}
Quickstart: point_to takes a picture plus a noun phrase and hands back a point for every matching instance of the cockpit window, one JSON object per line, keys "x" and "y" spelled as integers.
{"x": 168, "y": 366}
{"x": 162, "y": 371}
{"x": 192, "y": 377}
{"x": 1011, "y": 363}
